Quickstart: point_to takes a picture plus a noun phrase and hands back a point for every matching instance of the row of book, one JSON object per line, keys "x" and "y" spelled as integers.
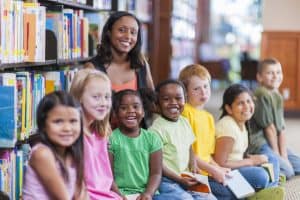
{"x": 12, "y": 164}
{"x": 23, "y": 32}
{"x": 20, "y": 94}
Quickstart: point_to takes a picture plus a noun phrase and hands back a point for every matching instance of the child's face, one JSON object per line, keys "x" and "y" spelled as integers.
{"x": 171, "y": 101}
{"x": 130, "y": 112}
{"x": 124, "y": 34}
{"x": 96, "y": 99}
{"x": 198, "y": 91}
{"x": 271, "y": 76}
{"x": 63, "y": 125}
{"x": 242, "y": 108}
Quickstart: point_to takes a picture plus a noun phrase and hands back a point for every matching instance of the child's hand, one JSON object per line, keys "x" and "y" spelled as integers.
{"x": 123, "y": 197}
{"x": 258, "y": 159}
{"x": 188, "y": 181}
{"x": 144, "y": 196}
{"x": 219, "y": 174}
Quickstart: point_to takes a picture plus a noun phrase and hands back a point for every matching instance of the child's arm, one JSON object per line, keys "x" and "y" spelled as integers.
{"x": 81, "y": 193}
{"x": 44, "y": 164}
{"x": 214, "y": 170}
{"x": 282, "y": 145}
{"x": 114, "y": 186}
{"x": 193, "y": 162}
{"x": 155, "y": 175}
{"x": 271, "y": 136}
{"x": 224, "y": 148}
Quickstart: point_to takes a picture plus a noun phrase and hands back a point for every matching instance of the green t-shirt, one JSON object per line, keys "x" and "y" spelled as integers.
{"x": 268, "y": 110}
{"x": 131, "y": 159}
{"x": 177, "y": 138}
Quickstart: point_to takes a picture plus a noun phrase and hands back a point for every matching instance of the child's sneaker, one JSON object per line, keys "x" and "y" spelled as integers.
{"x": 272, "y": 193}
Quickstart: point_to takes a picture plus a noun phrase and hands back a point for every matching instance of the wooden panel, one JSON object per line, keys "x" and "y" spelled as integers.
{"x": 285, "y": 47}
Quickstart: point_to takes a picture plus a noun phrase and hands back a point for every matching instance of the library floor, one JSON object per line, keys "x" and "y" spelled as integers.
{"x": 293, "y": 137}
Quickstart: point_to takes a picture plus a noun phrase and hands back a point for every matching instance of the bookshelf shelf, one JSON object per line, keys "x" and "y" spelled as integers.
{"x": 76, "y": 60}
{"x": 71, "y": 4}
{"x": 26, "y": 64}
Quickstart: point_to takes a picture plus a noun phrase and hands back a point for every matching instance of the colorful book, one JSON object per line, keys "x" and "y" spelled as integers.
{"x": 270, "y": 169}
{"x": 203, "y": 184}
{"x": 7, "y": 116}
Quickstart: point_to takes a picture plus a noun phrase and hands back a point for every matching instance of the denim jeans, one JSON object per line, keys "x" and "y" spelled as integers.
{"x": 257, "y": 176}
{"x": 272, "y": 158}
{"x": 286, "y": 169}
{"x": 170, "y": 190}
{"x": 220, "y": 191}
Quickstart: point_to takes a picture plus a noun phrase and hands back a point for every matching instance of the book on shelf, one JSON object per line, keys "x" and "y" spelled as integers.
{"x": 8, "y": 111}
{"x": 203, "y": 184}
{"x": 238, "y": 184}
{"x": 7, "y": 116}
{"x": 270, "y": 169}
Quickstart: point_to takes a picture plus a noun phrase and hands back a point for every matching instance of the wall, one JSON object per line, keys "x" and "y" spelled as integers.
{"x": 281, "y": 15}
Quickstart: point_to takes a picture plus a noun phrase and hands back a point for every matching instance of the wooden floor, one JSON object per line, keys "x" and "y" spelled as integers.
{"x": 292, "y": 188}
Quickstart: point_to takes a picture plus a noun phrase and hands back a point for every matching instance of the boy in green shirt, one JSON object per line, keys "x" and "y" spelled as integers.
{"x": 267, "y": 134}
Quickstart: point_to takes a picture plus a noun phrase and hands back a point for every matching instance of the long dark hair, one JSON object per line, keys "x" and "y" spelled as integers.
{"x": 49, "y": 102}
{"x": 104, "y": 48}
{"x": 231, "y": 94}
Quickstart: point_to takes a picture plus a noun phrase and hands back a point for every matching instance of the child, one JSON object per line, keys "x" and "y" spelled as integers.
{"x": 92, "y": 89}
{"x": 196, "y": 80}
{"x": 135, "y": 153}
{"x": 232, "y": 142}
{"x": 177, "y": 138}
{"x": 55, "y": 168}
{"x": 268, "y": 133}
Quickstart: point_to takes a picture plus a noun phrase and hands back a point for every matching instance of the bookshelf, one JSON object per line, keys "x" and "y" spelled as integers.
{"x": 174, "y": 33}
{"x": 42, "y": 45}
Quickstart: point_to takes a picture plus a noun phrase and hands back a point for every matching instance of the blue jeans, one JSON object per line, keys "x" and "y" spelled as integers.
{"x": 220, "y": 191}
{"x": 286, "y": 169}
{"x": 257, "y": 176}
{"x": 170, "y": 190}
{"x": 273, "y": 158}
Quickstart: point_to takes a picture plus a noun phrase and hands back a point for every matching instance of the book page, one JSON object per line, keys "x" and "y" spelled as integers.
{"x": 132, "y": 196}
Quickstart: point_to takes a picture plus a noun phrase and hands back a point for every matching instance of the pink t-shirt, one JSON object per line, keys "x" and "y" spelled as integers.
{"x": 33, "y": 187}
{"x": 97, "y": 170}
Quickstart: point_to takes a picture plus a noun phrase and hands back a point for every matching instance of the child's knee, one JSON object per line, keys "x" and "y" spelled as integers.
{"x": 263, "y": 179}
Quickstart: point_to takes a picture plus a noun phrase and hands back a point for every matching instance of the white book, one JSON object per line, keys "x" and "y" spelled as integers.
{"x": 132, "y": 196}
{"x": 239, "y": 185}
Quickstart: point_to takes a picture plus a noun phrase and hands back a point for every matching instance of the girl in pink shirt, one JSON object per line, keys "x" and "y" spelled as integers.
{"x": 93, "y": 90}
{"x": 55, "y": 168}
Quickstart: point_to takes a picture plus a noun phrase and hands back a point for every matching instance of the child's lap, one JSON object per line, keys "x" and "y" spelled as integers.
{"x": 170, "y": 190}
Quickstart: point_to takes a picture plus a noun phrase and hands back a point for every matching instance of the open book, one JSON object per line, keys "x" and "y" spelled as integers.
{"x": 203, "y": 184}
{"x": 270, "y": 169}
{"x": 238, "y": 184}
{"x": 132, "y": 196}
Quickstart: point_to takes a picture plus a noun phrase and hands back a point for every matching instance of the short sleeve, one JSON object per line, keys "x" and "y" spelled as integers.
{"x": 263, "y": 114}
{"x": 225, "y": 128}
{"x": 161, "y": 136}
{"x": 156, "y": 143}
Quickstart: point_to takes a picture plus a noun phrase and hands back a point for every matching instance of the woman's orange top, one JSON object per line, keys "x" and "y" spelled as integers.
{"x": 128, "y": 85}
